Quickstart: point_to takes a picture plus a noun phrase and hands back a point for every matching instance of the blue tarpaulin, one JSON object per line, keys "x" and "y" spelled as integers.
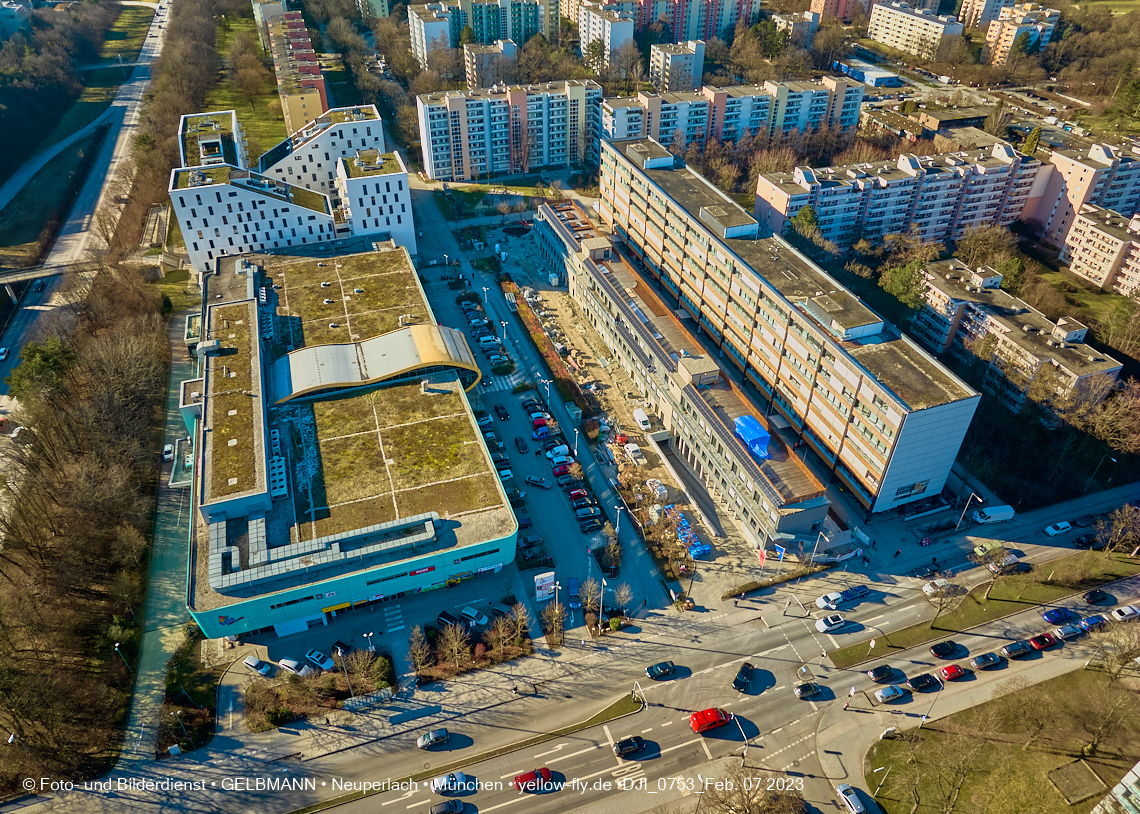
{"x": 753, "y": 434}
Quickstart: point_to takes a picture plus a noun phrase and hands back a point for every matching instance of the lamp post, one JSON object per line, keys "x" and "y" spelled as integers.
{"x": 964, "y": 508}
{"x": 1087, "y": 485}
{"x": 884, "y": 780}
{"x": 503, "y": 322}
{"x": 814, "y": 550}
{"x": 547, "y": 383}
{"x": 177, "y": 715}
{"x": 369, "y": 635}
{"x": 617, "y": 526}
{"x": 344, "y": 667}
{"x": 124, "y": 658}
{"x": 744, "y": 756}
{"x": 575, "y": 442}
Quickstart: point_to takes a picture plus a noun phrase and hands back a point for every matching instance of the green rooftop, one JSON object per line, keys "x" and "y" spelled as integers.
{"x": 209, "y": 138}
{"x": 233, "y": 408}
{"x": 372, "y": 162}
{"x": 270, "y": 187}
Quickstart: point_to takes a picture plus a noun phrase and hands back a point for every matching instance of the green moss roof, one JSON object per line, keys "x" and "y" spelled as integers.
{"x": 371, "y": 162}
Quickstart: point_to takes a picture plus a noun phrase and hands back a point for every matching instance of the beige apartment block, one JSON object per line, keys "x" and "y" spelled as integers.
{"x": 967, "y": 315}
{"x": 678, "y": 67}
{"x": 980, "y": 13}
{"x": 881, "y": 413}
{"x": 1103, "y": 247}
{"x": 917, "y": 31}
{"x": 489, "y": 65}
{"x": 940, "y": 197}
{"x": 800, "y": 27}
{"x": 1035, "y": 21}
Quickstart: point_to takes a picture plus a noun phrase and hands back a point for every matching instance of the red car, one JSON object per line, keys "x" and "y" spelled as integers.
{"x": 1042, "y": 642}
{"x": 951, "y": 672}
{"x": 708, "y": 719}
{"x": 536, "y": 779}
{"x": 578, "y": 494}
{"x": 561, "y": 469}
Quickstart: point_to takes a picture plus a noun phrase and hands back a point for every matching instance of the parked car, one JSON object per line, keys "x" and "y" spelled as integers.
{"x": 342, "y": 649}
{"x": 320, "y": 659}
{"x": 1086, "y": 541}
{"x": 850, "y": 798}
{"x": 257, "y": 665}
{"x": 1055, "y": 615}
{"x": 588, "y": 512}
{"x": 560, "y": 470}
{"x": 583, "y": 503}
{"x": 561, "y": 460}
{"x": 628, "y": 745}
{"x": 474, "y": 617}
{"x": 530, "y": 541}
{"x": 535, "y": 480}
{"x": 1094, "y": 622}
{"x": 1015, "y": 650}
{"x": 520, "y": 442}
{"x": 590, "y": 526}
{"x": 881, "y": 673}
{"x": 501, "y": 412}
{"x": 985, "y": 661}
{"x": 951, "y": 672}
{"x": 444, "y": 619}
{"x": 708, "y": 719}
{"x": 807, "y": 690}
{"x": 1125, "y": 613}
{"x": 433, "y": 738}
{"x": 660, "y": 670}
{"x": 890, "y": 693}
{"x": 743, "y": 678}
{"x": 295, "y": 667}
{"x": 829, "y": 624}
{"x": 944, "y": 650}
{"x": 505, "y": 475}
{"x": 453, "y": 781}
{"x": 1084, "y": 521}
{"x": 923, "y": 682}
{"x": 534, "y": 780}
{"x": 168, "y": 452}
{"x": 1095, "y": 596}
{"x": 1058, "y": 528}
{"x": 577, "y": 494}
{"x": 1042, "y": 642}
{"x": 518, "y": 503}
{"x": 569, "y": 481}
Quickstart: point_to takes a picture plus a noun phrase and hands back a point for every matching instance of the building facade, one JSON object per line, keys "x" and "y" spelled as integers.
{"x": 968, "y": 316}
{"x": 489, "y": 65}
{"x": 935, "y": 197}
{"x": 674, "y": 68}
{"x": 1103, "y": 247}
{"x": 373, "y": 8}
{"x": 917, "y": 31}
{"x": 264, "y": 12}
{"x": 1035, "y": 22}
{"x": 508, "y": 129}
{"x": 980, "y": 13}
{"x": 373, "y": 196}
{"x": 440, "y": 24}
{"x": 883, "y": 416}
{"x": 800, "y": 27}
{"x": 14, "y": 16}
{"x": 300, "y": 83}
{"x": 612, "y": 28}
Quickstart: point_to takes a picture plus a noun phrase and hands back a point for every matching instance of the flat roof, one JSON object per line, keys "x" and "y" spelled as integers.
{"x": 499, "y": 92}
{"x": 372, "y": 162}
{"x": 338, "y": 115}
{"x": 207, "y": 127}
{"x": 1110, "y": 222}
{"x": 196, "y": 177}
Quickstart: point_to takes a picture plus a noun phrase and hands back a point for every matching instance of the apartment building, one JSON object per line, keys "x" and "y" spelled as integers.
{"x": 300, "y": 83}
{"x": 264, "y": 12}
{"x": 830, "y": 9}
{"x": 210, "y": 139}
{"x": 940, "y": 197}
{"x": 768, "y": 496}
{"x": 629, "y": 7}
{"x": 14, "y": 16}
{"x": 884, "y": 416}
{"x": 439, "y": 25}
{"x": 374, "y": 196}
{"x": 980, "y": 13}
{"x": 373, "y": 8}
{"x": 1104, "y": 248}
{"x": 800, "y": 27}
{"x": 508, "y": 129}
{"x": 674, "y": 68}
{"x": 1034, "y": 21}
{"x": 612, "y": 28}
{"x": 489, "y": 65}
{"x": 917, "y": 31}
{"x": 969, "y": 316}
{"x": 730, "y": 113}
{"x": 1107, "y": 176}
{"x": 309, "y": 157}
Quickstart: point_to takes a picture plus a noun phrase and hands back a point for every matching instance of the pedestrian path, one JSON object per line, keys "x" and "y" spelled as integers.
{"x": 393, "y": 618}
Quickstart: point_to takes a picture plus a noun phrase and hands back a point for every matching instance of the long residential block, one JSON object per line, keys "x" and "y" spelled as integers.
{"x": 1034, "y": 21}
{"x": 917, "y": 31}
{"x": 300, "y": 83}
{"x": 1103, "y": 247}
{"x": 882, "y": 414}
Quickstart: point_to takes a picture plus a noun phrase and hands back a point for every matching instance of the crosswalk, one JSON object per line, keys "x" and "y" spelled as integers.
{"x": 498, "y": 384}
{"x": 393, "y": 618}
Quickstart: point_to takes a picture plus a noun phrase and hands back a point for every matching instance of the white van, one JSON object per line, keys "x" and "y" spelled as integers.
{"x": 641, "y": 418}
{"x": 489, "y": 342}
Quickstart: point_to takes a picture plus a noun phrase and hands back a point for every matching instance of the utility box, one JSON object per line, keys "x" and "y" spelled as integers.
{"x": 574, "y": 411}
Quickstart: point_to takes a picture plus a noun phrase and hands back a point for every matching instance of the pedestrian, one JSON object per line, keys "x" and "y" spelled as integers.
{"x": 899, "y": 551}
{"x": 536, "y": 452}
{"x": 934, "y": 560}
{"x": 735, "y": 604}
{"x": 742, "y": 596}
{"x": 516, "y": 689}
{"x": 326, "y": 721}
{"x": 873, "y": 543}
{"x": 846, "y": 705}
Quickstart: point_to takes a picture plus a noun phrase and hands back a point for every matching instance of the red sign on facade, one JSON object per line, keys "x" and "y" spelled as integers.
{"x": 423, "y": 570}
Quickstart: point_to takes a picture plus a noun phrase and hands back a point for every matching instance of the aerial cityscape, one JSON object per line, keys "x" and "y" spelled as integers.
{"x": 640, "y": 406}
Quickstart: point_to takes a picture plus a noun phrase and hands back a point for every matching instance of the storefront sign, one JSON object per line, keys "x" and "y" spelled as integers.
{"x": 422, "y": 570}
{"x": 543, "y": 586}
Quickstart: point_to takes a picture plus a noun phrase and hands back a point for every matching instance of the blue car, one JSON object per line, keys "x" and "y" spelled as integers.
{"x": 1055, "y": 615}
{"x": 1092, "y": 623}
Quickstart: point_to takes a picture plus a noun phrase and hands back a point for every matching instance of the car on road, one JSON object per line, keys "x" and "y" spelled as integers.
{"x": 1042, "y": 642}
{"x": 628, "y": 745}
{"x": 534, "y": 780}
{"x": 944, "y": 650}
{"x": 807, "y": 690}
{"x": 295, "y": 667}
{"x": 1095, "y": 596}
{"x": 743, "y": 678}
{"x": 168, "y": 452}
{"x": 890, "y": 693}
{"x": 850, "y": 798}
{"x": 590, "y": 526}
{"x": 660, "y": 670}
{"x": 474, "y": 617}
{"x": 708, "y": 719}
{"x": 829, "y": 601}
{"x": 535, "y": 480}
{"x": 257, "y": 665}
{"x": 452, "y": 781}
{"x": 1094, "y": 622}
{"x": 1066, "y": 632}
{"x": 1015, "y": 650}
{"x": 520, "y": 442}
{"x": 1125, "y": 613}
{"x": 501, "y": 412}
{"x": 433, "y": 738}
{"x": 1055, "y": 615}
{"x": 985, "y": 661}
{"x": 923, "y": 682}
{"x": 881, "y": 673}
{"x": 449, "y": 807}
{"x": 951, "y": 672}
{"x": 320, "y": 659}
{"x": 1058, "y": 528}
{"x": 830, "y": 624}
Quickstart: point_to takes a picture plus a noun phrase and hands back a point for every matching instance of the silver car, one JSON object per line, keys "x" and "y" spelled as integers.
{"x": 850, "y": 798}
{"x": 433, "y": 738}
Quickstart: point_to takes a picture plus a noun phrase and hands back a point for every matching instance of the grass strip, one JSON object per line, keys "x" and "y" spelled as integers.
{"x": 1049, "y": 582}
{"x": 619, "y": 709}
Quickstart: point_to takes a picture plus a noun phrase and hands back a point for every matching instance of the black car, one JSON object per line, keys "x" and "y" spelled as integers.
{"x": 944, "y": 650}
{"x": 518, "y": 503}
{"x": 571, "y": 485}
{"x": 521, "y": 444}
{"x": 444, "y": 619}
{"x": 881, "y": 673}
{"x": 501, "y": 412}
{"x": 1084, "y": 540}
{"x": 590, "y": 526}
{"x": 660, "y": 670}
{"x": 743, "y": 678}
{"x": 1094, "y": 596}
{"x": 554, "y": 441}
{"x": 922, "y": 683}
{"x": 341, "y": 649}
{"x": 584, "y": 503}
{"x": 1015, "y": 650}
{"x": 629, "y": 745}
{"x": 1084, "y": 521}
{"x": 807, "y": 690}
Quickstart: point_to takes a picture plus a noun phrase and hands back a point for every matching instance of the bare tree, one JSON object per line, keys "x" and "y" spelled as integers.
{"x": 553, "y": 619}
{"x": 521, "y": 617}
{"x": 419, "y": 649}
{"x": 591, "y": 594}
{"x": 1022, "y": 710}
{"x": 941, "y": 596}
{"x": 1112, "y": 710}
{"x": 1119, "y": 646}
{"x": 249, "y": 83}
{"x": 623, "y": 595}
{"x": 454, "y": 644}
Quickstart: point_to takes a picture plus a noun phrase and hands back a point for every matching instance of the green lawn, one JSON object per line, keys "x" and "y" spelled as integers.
{"x": 262, "y": 128}
{"x": 1048, "y": 582}
{"x": 43, "y": 199}
{"x": 1117, "y": 6}
{"x": 1093, "y": 303}
{"x": 174, "y": 234}
{"x": 977, "y": 760}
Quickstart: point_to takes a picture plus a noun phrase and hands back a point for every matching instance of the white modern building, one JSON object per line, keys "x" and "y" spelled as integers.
{"x": 612, "y": 28}
{"x": 800, "y": 27}
{"x": 373, "y": 8}
{"x": 374, "y": 197}
{"x": 916, "y": 31}
{"x": 1035, "y": 22}
{"x": 677, "y": 67}
{"x": 508, "y": 129}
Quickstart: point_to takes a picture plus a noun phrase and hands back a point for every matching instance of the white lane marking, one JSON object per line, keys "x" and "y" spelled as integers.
{"x": 781, "y": 687}
{"x": 876, "y": 618}
{"x": 778, "y": 729}
{"x": 686, "y": 743}
{"x": 645, "y": 730}
{"x": 405, "y": 796}
{"x": 557, "y": 748}
{"x": 705, "y": 744}
{"x": 666, "y": 723}
{"x": 814, "y": 706}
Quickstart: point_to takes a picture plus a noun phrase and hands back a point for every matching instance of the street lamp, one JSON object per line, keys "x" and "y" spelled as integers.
{"x": 503, "y": 322}
{"x": 124, "y": 658}
{"x": 1087, "y": 485}
{"x": 344, "y": 667}
{"x": 814, "y": 550}
{"x": 617, "y": 526}
{"x": 744, "y": 756}
{"x": 964, "y": 508}
{"x": 547, "y": 382}
{"x": 575, "y": 442}
{"x": 369, "y": 636}
{"x": 177, "y": 715}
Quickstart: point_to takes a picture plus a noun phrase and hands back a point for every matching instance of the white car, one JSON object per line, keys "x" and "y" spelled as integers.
{"x": 473, "y": 616}
{"x": 257, "y": 665}
{"x": 1125, "y": 613}
{"x": 295, "y": 667}
{"x": 320, "y": 659}
{"x": 891, "y": 693}
{"x": 1058, "y": 528}
{"x": 168, "y": 452}
{"x": 448, "y": 782}
{"x": 829, "y": 624}
{"x": 829, "y": 601}
{"x": 850, "y": 798}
